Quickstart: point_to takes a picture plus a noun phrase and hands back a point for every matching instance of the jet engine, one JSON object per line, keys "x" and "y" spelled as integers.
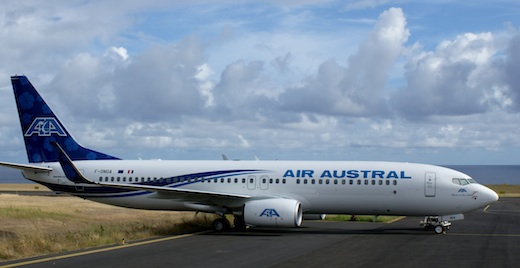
{"x": 273, "y": 213}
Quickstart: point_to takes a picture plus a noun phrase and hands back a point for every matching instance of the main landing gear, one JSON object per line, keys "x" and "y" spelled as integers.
{"x": 222, "y": 224}
{"x": 436, "y": 224}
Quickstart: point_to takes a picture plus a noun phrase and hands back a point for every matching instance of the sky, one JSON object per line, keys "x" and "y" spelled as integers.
{"x": 416, "y": 81}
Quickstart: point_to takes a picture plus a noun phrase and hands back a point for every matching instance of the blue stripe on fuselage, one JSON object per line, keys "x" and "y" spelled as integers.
{"x": 89, "y": 191}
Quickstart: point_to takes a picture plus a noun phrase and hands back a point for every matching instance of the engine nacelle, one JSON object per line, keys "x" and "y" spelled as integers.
{"x": 273, "y": 213}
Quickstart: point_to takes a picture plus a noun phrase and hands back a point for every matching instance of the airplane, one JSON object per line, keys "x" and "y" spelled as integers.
{"x": 256, "y": 193}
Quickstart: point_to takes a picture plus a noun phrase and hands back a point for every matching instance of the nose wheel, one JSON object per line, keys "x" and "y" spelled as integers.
{"x": 439, "y": 229}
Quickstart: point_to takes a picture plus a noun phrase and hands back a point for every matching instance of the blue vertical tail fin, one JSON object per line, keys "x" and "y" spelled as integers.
{"x": 41, "y": 128}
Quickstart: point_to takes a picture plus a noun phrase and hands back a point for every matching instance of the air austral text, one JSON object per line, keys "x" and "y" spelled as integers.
{"x": 351, "y": 174}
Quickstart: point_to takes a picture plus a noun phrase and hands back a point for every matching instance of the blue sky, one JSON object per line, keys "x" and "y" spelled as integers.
{"x": 417, "y": 81}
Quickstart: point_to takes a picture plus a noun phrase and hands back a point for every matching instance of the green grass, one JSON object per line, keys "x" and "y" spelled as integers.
{"x": 362, "y": 218}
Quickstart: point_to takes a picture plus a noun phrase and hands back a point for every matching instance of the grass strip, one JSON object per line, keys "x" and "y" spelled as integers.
{"x": 36, "y": 225}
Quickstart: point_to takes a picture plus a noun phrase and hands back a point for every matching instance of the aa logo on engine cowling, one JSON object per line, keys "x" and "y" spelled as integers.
{"x": 269, "y": 212}
{"x": 45, "y": 127}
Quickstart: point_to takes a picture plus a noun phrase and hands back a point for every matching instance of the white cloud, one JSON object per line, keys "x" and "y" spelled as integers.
{"x": 459, "y": 77}
{"x": 120, "y": 51}
{"x": 243, "y": 142}
{"x": 299, "y": 82}
{"x": 160, "y": 84}
{"x": 512, "y": 70}
{"x": 358, "y": 88}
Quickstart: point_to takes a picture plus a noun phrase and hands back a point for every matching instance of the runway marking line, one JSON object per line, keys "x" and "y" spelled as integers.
{"x": 494, "y": 235}
{"x": 103, "y": 249}
{"x": 396, "y": 219}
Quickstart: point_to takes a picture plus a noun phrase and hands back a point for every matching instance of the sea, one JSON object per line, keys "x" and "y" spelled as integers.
{"x": 484, "y": 174}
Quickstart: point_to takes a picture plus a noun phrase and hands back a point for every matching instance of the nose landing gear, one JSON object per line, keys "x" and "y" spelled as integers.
{"x": 436, "y": 224}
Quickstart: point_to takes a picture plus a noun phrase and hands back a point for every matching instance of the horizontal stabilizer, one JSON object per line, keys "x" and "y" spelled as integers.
{"x": 26, "y": 167}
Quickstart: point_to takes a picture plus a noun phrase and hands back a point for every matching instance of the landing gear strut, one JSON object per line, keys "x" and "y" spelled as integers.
{"x": 436, "y": 224}
{"x": 240, "y": 224}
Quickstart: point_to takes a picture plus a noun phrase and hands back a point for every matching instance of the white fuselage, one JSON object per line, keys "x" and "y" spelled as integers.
{"x": 380, "y": 188}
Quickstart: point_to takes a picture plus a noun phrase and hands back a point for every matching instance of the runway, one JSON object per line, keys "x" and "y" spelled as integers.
{"x": 483, "y": 239}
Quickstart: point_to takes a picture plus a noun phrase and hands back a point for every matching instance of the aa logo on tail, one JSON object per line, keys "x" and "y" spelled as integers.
{"x": 45, "y": 127}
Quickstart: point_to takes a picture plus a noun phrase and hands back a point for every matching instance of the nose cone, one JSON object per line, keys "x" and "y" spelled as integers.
{"x": 488, "y": 196}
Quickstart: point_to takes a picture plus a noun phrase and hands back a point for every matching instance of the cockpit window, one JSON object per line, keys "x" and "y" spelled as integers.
{"x": 463, "y": 181}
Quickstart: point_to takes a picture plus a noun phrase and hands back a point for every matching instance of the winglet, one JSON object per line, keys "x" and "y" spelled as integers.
{"x": 70, "y": 170}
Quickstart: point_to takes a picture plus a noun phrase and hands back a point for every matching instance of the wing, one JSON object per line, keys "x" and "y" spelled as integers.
{"x": 172, "y": 191}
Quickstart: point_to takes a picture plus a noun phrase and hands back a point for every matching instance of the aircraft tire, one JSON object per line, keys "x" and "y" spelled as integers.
{"x": 220, "y": 225}
{"x": 438, "y": 229}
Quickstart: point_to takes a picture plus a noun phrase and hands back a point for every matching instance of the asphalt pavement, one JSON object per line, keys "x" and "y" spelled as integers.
{"x": 488, "y": 238}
